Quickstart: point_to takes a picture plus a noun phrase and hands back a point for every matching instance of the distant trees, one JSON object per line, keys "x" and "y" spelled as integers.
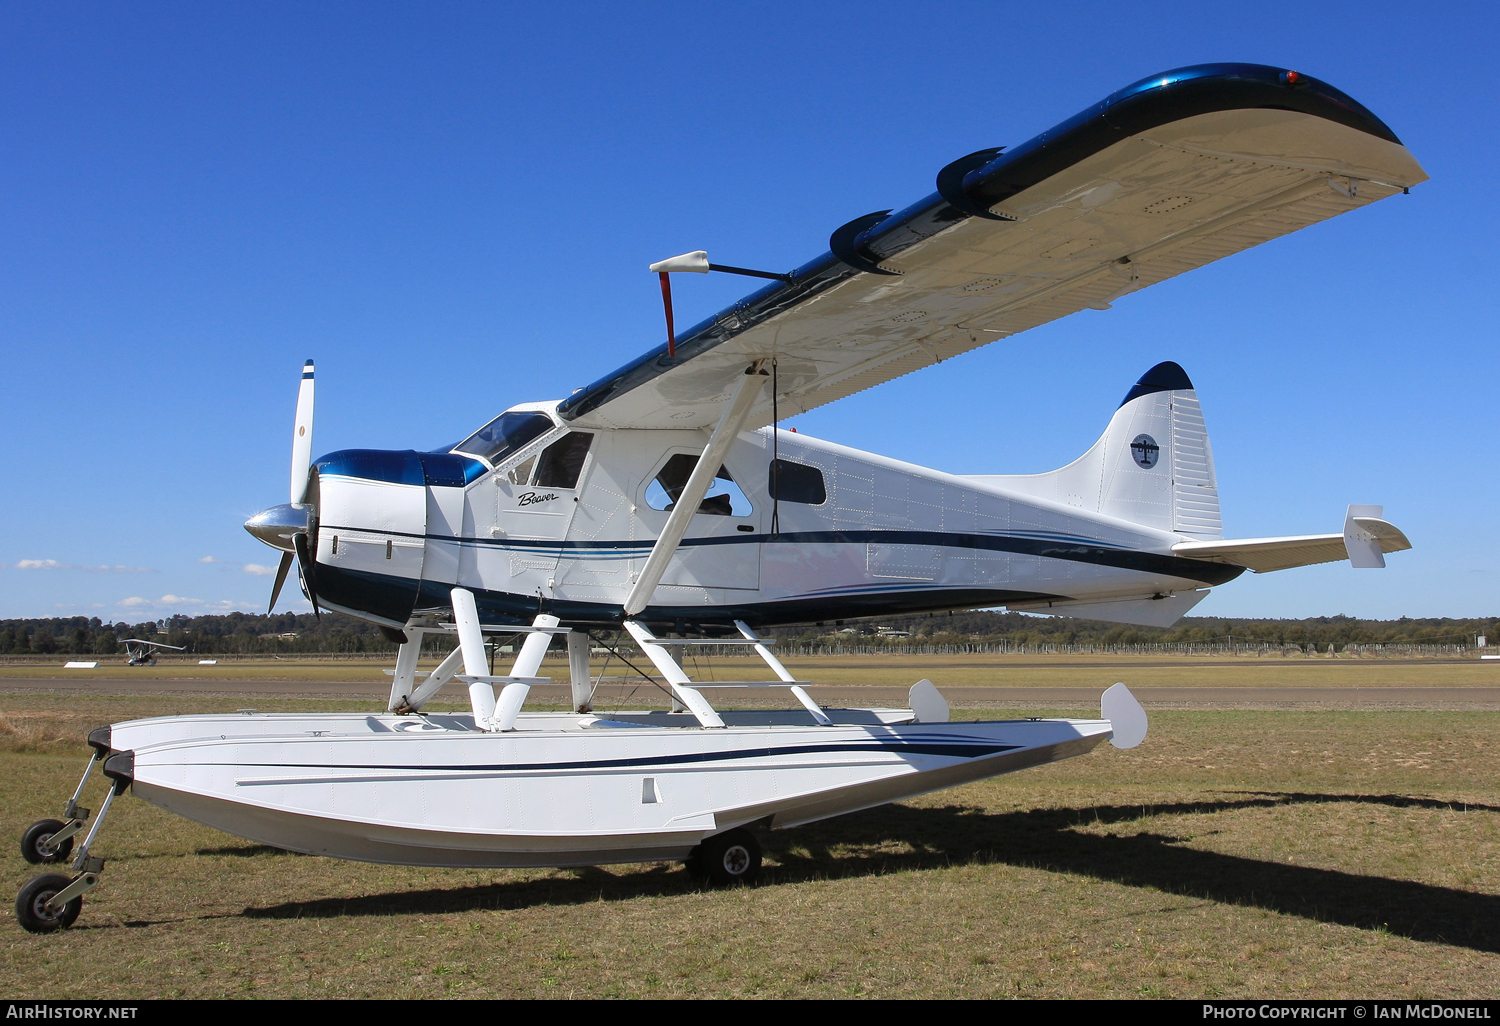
{"x": 299, "y": 633}
{"x": 233, "y": 633}
{"x": 989, "y": 627}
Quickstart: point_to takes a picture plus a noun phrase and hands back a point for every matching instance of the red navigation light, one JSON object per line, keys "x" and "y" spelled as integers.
{"x": 1290, "y": 77}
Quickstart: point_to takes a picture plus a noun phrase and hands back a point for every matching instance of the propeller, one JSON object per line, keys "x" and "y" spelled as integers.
{"x": 304, "y": 564}
{"x": 301, "y": 465}
{"x": 291, "y": 526}
{"x": 281, "y": 569}
{"x": 302, "y": 436}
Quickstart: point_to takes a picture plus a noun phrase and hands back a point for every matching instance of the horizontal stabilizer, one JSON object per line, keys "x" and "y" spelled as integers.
{"x": 1365, "y": 540}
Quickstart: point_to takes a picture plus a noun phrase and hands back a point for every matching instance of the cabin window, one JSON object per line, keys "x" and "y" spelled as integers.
{"x": 562, "y": 461}
{"x": 521, "y": 472}
{"x": 797, "y": 482}
{"x": 504, "y": 435}
{"x": 724, "y": 498}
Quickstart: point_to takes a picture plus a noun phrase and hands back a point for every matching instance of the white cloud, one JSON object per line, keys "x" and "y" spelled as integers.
{"x": 258, "y": 570}
{"x": 209, "y": 559}
{"x": 52, "y": 564}
{"x": 135, "y": 601}
{"x": 182, "y": 603}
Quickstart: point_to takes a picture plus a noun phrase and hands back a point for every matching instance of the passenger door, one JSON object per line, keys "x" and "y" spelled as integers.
{"x": 722, "y": 546}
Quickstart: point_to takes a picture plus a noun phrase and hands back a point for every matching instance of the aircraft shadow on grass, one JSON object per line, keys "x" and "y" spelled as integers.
{"x": 1045, "y": 839}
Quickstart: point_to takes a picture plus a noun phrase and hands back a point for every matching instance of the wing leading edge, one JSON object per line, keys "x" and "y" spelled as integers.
{"x": 1163, "y": 176}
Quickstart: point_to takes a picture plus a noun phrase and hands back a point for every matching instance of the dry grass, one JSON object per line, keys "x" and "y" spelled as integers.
{"x": 1241, "y": 853}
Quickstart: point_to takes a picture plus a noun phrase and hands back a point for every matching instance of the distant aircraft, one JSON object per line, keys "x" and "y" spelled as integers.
{"x": 664, "y": 496}
{"x": 143, "y": 653}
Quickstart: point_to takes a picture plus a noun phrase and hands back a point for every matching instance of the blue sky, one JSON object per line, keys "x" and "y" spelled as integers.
{"x": 451, "y": 206}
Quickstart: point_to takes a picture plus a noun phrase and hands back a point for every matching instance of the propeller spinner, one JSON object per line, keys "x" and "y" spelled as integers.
{"x": 290, "y": 527}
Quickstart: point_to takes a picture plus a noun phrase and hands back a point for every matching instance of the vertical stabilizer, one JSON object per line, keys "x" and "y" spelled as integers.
{"x": 1152, "y": 466}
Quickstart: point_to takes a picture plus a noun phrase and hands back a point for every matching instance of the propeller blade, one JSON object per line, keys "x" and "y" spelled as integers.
{"x": 281, "y": 569}
{"x": 302, "y": 436}
{"x": 305, "y": 565}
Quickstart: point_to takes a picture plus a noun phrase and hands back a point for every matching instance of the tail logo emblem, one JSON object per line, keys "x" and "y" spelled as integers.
{"x": 1145, "y": 451}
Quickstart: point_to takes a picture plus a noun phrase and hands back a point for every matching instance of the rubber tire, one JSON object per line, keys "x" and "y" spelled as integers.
{"x": 34, "y": 894}
{"x": 31, "y": 843}
{"x": 732, "y": 857}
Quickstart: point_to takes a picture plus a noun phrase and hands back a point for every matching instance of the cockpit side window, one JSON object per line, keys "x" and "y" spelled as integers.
{"x": 562, "y": 461}
{"x": 521, "y": 473}
{"x": 724, "y": 498}
{"x": 504, "y": 435}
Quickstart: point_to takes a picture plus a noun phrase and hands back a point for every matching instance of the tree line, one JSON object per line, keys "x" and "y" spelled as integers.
{"x": 334, "y": 633}
{"x": 1019, "y": 629}
{"x": 220, "y": 634}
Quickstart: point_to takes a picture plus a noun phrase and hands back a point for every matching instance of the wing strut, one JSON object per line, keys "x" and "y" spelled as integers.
{"x": 734, "y": 417}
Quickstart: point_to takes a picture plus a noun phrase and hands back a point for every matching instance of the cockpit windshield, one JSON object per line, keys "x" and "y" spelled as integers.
{"x": 504, "y": 435}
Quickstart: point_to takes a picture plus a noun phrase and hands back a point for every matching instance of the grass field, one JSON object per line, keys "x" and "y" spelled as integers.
{"x": 1236, "y": 853}
{"x": 896, "y": 669}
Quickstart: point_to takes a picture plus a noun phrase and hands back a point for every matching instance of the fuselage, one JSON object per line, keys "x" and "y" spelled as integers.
{"x": 564, "y": 522}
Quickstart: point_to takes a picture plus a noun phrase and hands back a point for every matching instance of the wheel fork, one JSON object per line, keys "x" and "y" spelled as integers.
{"x": 120, "y": 769}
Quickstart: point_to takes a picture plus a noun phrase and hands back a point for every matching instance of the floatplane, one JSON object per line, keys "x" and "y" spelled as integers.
{"x": 666, "y": 502}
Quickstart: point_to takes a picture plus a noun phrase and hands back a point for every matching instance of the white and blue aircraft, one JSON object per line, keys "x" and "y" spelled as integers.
{"x": 665, "y": 495}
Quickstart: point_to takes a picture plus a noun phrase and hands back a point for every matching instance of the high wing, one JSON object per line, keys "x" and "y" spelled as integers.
{"x": 1163, "y": 176}
{"x": 153, "y": 644}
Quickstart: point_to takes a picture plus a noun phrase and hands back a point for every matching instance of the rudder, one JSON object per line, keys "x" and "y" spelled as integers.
{"x": 1153, "y": 465}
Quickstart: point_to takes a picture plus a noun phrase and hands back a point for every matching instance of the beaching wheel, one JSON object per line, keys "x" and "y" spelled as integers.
{"x": 34, "y": 846}
{"x": 31, "y": 904}
{"x": 728, "y": 858}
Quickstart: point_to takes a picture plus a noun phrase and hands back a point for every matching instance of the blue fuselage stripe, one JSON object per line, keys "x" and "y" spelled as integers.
{"x": 1050, "y": 548}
